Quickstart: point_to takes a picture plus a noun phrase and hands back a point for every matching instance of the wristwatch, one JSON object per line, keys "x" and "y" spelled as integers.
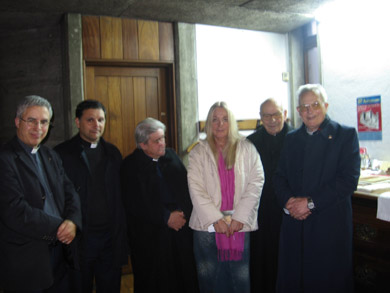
{"x": 310, "y": 204}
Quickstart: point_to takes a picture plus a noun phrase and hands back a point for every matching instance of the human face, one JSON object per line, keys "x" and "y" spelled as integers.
{"x": 31, "y": 133}
{"x": 272, "y": 117}
{"x": 312, "y": 110}
{"x": 155, "y": 146}
{"x": 91, "y": 125}
{"x": 220, "y": 124}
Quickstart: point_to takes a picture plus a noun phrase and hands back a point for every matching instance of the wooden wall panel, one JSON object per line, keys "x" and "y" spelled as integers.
{"x": 117, "y": 42}
{"x": 166, "y": 41}
{"x": 130, "y": 39}
{"x": 111, "y": 38}
{"x": 106, "y": 34}
{"x": 114, "y": 38}
{"x": 148, "y": 40}
{"x": 91, "y": 37}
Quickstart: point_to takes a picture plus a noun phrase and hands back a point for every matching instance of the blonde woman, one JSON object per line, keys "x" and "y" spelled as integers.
{"x": 225, "y": 178}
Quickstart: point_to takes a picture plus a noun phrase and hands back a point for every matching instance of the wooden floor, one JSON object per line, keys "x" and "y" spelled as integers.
{"x": 127, "y": 283}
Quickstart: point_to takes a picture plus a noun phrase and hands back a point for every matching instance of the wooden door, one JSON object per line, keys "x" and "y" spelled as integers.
{"x": 131, "y": 94}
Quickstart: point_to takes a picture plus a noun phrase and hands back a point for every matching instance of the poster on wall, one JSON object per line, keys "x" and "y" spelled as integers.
{"x": 369, "y": 116}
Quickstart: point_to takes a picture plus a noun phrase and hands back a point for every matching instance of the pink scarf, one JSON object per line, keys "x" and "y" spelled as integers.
{"x": 229, "y": 248}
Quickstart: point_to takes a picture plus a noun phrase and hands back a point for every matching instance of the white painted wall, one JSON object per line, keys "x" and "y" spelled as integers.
{"x": 240, "y": 67}
{"x": 355, "y": 50}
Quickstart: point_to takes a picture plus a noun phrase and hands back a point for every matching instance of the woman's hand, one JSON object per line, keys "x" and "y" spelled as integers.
{"x": 235, "y": 226}
{"x": 221, "y": 227}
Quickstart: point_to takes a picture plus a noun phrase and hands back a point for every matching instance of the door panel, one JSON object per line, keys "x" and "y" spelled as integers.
{"x": 127, "y": 89}
{"x": 130, "y": 94}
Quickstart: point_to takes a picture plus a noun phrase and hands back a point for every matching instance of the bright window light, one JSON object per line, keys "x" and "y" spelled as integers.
{"x": 240, "y": 67}
{"x": 358, "y": 12}
{"x": 354, "y": 31}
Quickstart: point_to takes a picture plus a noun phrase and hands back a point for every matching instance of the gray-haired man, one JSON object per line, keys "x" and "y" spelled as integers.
{"x": 39, "y": 207}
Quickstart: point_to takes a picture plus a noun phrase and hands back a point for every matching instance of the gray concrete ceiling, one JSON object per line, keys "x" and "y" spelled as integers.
{"x": 265, "y": 15}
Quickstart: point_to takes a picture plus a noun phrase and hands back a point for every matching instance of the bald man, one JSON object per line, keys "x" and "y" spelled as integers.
{"x": 268, "y": 140}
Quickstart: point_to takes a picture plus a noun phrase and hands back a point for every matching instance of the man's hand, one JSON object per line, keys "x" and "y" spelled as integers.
{"x": 176, "y": 220}
{"x": 297, "y": 207}
{"x": 66, "y": 232}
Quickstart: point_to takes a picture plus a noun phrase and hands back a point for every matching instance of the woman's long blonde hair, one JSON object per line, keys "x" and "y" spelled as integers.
{"x": 229, "y": 151}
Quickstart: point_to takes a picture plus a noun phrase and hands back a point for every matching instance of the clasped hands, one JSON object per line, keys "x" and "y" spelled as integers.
{"x": 176, "y": 220}
{"x": 66, "y": 232}
{"x": 297, "y": 207}
{"x": 223, "y": 227}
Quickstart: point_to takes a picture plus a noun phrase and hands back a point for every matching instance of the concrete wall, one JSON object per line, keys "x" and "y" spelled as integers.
{"x": 186, "y": 87}
{"x": 297, "y": 73}
{"x": 74, "y": 70}
{"x": 31, "y": 62}
{"x": 356, "y": 63}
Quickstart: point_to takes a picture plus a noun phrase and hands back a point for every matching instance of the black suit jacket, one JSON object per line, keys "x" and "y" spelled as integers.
{"x": 25, "y": 230}
{"x": 76, "y": 165}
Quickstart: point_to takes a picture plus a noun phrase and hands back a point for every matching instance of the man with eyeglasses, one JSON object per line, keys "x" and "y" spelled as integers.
{"x": 317, "y": 174}
{"x": 268, "y": 140}
{"x": 93, "y": 165}
{"x": 39, "y": 207}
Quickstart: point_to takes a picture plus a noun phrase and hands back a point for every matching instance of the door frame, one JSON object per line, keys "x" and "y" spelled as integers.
{"x": 171, "y": 94}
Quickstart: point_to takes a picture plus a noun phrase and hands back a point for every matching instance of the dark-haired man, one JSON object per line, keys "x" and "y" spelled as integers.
{"x": 93, "y": 165}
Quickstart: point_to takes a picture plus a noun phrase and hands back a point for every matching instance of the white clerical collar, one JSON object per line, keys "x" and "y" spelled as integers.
{"x": 35, "y": 150}
{"x": 311, "y": 132}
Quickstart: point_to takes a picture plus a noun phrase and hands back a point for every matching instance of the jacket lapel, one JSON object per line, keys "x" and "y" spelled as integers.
{"x": 23, "y": 157}
{"x": 48, "y": 165}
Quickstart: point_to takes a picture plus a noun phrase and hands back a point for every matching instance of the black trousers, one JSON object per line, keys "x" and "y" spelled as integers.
{"x": 60, "y": 273}
{"x": 97, "y": 263}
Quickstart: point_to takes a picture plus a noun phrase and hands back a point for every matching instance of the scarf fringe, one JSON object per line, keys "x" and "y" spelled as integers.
{"x": 229, "y": 254}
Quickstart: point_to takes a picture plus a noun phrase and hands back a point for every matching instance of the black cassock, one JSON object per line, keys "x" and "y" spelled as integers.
{"x": 162, "y": 258}
{"x": 265, "y": 241}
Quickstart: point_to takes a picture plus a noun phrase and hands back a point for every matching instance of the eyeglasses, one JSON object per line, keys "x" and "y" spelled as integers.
{"x": 268, "y": 117}
{"x": 306, "y": 107}
{"x": 32, "y": 122}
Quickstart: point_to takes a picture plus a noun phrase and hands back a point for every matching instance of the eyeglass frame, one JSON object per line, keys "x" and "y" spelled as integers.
{"x": 268, "y": 117}
{"x": 32, "y": 122}
{"x": 313, "y": 106}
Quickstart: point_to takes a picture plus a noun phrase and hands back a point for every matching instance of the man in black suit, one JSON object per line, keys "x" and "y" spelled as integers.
{"x": 39, "y": 207}
{"x": 268, "y": 140}
{"x": 93, "y": 165}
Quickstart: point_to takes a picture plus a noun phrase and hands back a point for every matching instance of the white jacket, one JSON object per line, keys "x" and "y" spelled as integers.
{"x": 205, "y": 187}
